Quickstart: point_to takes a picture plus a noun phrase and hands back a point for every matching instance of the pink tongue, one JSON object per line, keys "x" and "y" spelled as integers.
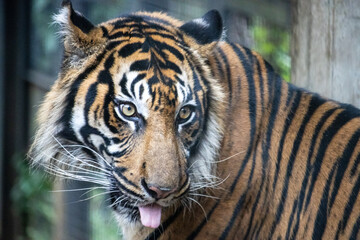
{"x": 150, "y": 215}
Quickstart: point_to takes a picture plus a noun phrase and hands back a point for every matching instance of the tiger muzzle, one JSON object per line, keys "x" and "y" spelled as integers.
{"x": 157, "y": 192}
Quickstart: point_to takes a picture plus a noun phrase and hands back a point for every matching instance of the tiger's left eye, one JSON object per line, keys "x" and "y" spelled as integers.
{"x": 128, "y": 109}
{"x": 184, "y": 113}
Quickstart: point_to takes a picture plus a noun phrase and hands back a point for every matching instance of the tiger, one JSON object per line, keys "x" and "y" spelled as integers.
{"x": 195, "y": 137}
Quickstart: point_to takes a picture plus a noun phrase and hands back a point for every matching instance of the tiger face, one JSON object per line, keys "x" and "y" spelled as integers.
{"x": 131, "y": 102}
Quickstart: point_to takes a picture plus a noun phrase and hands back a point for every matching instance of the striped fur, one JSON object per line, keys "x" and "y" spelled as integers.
{"x": 257, "y": 159}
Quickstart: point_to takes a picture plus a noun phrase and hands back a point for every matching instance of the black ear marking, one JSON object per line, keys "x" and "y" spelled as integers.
{"x": 206, "y": 29}
{"x": 65, "y": 3}
{"x": 77, "y": 19}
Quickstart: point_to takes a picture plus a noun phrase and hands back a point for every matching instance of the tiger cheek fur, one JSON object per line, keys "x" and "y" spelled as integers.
{"x": 195, "y": 137}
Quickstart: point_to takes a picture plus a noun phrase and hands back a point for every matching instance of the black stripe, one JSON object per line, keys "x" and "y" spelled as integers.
{"x": 113, "y": 44}
{"x": 141, "y": 65}
{"x": 105, "y": 77}
{"x": 89, "y": 100}
{"x": 356, "y": 228}
{"x": 218, "y": 66}
{"x": 129, "y": 49}
{"x": 228, "y": 73}
{"x": 87, "y": 130}
{"x": 295, "y": 96}
{"x": 122, "y": 34}
{"x": 304, "y": 184}
{"x": 257, "y": 199}
{"x": 125, "y": 189}
{"x": 275, "y": 85}
{"x": 141, "y": 91}
{"x": 291, "y": 219}
{"x": 125, "y": 141}
{"x": 205, "y": 103}
{"x": 252, "y": 113}
{"x": 140, "y": 22}
{"x": 237, "y": 209}
{"x": 123, "y": 85}
{"x": 322, "y": 212}
{"x": 182, "y": 83}
{"x": 119, "y": 172}
{"x": 313, "y": 106}
{"x": 261, "y": 85}
{"x": 117, "y": 154}
{"x": 335, "y": 126}
{"x": 65, "y": 120}
{"x": 105, "y": 31}
{"x": 161, "y": 46}
{"x": 170, "y": 65}
{"x": 204, "y": 221}
{"x": 350, "y": 206}
{"x": 343, "y": 163}
{"x": 355, "y": 166}
{"x": 262, "y": 223}
{"x": 134, "y": 82}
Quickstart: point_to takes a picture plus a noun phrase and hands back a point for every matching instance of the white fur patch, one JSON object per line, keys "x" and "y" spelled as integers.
{"x": 62, "y": 19}
{"x": 140, "y": 103}
{"x": 201, "y": 22}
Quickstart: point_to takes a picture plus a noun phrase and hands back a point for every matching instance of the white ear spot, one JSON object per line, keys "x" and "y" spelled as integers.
{"x": 201, "y": 22}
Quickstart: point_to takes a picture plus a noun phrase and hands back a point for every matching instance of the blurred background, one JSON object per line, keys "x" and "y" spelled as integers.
{"x": 32, "y": 207}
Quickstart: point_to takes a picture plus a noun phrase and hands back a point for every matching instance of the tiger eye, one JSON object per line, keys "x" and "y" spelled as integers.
{"x": 128, "y": 109}
{"x": 184, "y": 113}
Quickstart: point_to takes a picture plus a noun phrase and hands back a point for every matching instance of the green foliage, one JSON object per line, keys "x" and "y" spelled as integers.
{"x": 45, "y": 51}
{"x": 32, "y": 200}
{"x": 103, "y": 225}
{"x": 273, "y": 43}
{"x": 34, "y": 205}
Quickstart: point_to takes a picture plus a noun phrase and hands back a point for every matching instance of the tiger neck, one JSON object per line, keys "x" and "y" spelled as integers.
{"x": 252, "y": 87}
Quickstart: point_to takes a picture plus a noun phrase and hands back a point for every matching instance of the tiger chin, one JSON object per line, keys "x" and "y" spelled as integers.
{"x": 194, "y": 137}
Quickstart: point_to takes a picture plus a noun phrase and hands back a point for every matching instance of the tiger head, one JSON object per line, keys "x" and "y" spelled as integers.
{"x": 136, "y": 109}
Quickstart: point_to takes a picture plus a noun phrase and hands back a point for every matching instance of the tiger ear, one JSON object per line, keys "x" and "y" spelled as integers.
{"x": 81, "y": 38}
{"x": 206, "y": 31}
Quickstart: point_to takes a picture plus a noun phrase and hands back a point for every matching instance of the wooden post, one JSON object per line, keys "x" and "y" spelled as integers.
{"x": 325, "y": 48}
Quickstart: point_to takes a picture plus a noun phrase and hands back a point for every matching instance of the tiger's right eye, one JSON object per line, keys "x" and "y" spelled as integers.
{"x": 184, "y": 113}
{"x": 128, "y": 109}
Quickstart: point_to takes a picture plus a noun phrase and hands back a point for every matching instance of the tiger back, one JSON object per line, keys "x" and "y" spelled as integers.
{"x": 194, "y": 137}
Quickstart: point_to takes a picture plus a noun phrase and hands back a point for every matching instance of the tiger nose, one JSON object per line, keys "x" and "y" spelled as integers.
{"x": 156, "y": 191}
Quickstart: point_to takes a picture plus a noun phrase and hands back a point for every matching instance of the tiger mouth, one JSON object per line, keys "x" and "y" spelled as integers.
{"x": 148, "y": 214}
{"x": 136, "y": 209}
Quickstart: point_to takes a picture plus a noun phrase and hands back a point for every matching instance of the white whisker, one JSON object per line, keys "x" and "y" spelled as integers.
{"x": 192, "y": 199}
{"x": 225, "y": 159}
{"x": 77, "y": 189}
{"x": 203, "y": 195}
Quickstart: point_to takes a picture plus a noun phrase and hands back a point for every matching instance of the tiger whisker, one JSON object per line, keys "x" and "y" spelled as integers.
{"x": 77, "y": 189}
{"x": 54, "y": 170}
{"x": 87, "y": 162}
{"x": 94, "y": 196}
{"x": 79, "y": 167}
{"x": 192, "y": 199}
{"x": 74, "y": 157}
{"x": 203, "y": 195}
{"x": 117, "y": 201}
{"x": 83, "y": 173}
{"x": 202, "y": 185}
{"x": 93, "y": 151}
{"x": 228, "y": 158}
